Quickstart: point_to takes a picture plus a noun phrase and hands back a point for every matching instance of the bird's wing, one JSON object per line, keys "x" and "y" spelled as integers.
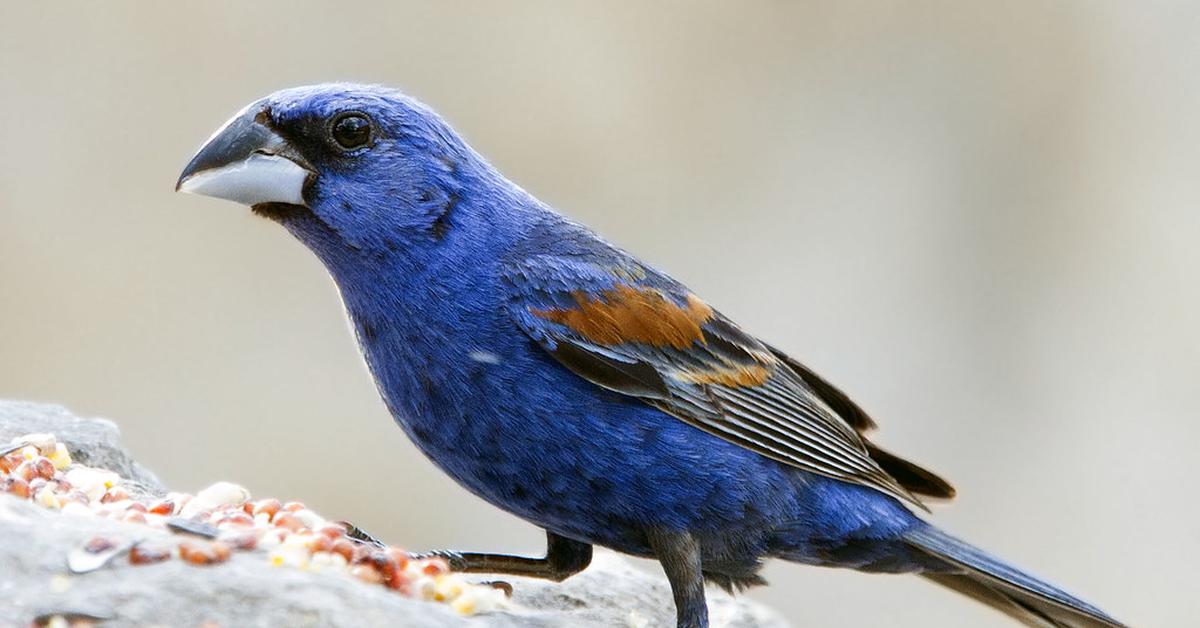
{"x": 629, "y": 329}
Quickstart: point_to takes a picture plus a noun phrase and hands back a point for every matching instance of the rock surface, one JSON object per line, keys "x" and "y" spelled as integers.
{"x": 248, "y": 591}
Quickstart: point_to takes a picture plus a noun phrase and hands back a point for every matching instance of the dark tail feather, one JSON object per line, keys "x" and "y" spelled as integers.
{"x": 1003, "y": 587}
{"x": 917, "y": 480}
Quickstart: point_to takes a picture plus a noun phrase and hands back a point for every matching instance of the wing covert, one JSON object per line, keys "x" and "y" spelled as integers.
{"x": 637, "y": 332}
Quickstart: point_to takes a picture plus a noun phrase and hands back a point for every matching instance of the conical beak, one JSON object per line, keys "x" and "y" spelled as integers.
{"x": 248, "y": 162}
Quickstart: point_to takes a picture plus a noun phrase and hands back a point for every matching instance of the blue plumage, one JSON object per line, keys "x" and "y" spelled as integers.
{"x": 564, "y": 381}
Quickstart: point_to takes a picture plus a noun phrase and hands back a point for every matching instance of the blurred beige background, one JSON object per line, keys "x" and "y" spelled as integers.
{"x": 982, "y": 222}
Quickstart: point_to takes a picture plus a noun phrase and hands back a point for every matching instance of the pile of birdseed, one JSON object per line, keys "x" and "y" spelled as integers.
{"x": 208, "y": 527}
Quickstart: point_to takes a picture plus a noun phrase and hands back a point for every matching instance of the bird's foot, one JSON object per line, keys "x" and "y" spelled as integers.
{"x": 358, "y": 535}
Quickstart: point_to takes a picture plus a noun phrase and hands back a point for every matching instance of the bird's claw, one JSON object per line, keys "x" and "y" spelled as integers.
{"x": 356, "y": 534}
{"x": 500, "y": 585}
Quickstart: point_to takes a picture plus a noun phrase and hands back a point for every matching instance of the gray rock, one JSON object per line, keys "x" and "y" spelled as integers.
{"x": 248, "y": 591}
{"x": 93, "y": 442}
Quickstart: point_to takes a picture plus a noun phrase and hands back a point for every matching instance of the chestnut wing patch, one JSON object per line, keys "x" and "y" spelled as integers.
{"x": 639, "y": 333}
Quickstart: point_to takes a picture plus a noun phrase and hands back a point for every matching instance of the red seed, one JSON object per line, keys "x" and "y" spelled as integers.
{"x": 333, "y": 531}
{"x": 287, "y": 521}
{"x": 269, "y": 506}
{"x": 345, "y": 547}
{"x": 293, "y": 506}
{"x": 163, "y": 507}
{"x": 43, "y": 468}
{"x": 238, "y": 518}
{"x": 137, "y": 507}
{"x": 147, "y": 553}
{"x": 204, "y": 552}
{"x": 98, "y": 544}
{"x": 248, "y": 508}
{"x": 133, "y": 516}
{"x": 60, "y": 479}
{"x": 8, "y": 463}
{"x": 15, "y": 486}
{"x": 320, "y": 543}
{"x": 114, "y": 494}
{"x": 387, "y": 568}
{"x": 398, "y": 555}
{"x": 435, "y": 567}
{"x": 25, "y": 471}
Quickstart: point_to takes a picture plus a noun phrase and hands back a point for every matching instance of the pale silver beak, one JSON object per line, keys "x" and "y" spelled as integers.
{"x": 247, "y": 162}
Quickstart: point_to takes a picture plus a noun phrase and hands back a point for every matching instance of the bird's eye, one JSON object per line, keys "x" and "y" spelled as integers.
{"x": 351, "y": 131}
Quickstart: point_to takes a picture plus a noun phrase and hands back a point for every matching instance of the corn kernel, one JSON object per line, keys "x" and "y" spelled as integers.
{"x": 47, "y": 498}
{"x": 60, "y": 457}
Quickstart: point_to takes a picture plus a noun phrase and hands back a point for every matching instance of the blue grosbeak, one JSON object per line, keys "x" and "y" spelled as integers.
{"x": 563, "y": 380}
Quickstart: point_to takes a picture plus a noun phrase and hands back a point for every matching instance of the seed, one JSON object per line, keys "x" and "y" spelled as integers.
{"x": 114, "y": 494}
{"x": 137, "y": 507}
{"x": 387, "y": 568}
{"x": 47, "y": 498}
{"x": 293, "y": 506}
{"x": 93, "y": 482}
{"x": 163, "y": 507}
{"x": 288, "y": 521}
{"x": 25, "y": 471}
{"x": 214, "y": 498}
{"x": 147, "y": 553}
{"x": 320, "y": 543}
{"x": 332, "y": 530}
{"x": 42, "y": 442}
{"x": 269, "y": 506}
{"x": 435, "y": 567}
{"x": 60, "y": 456}
{"x": 345, "y": 548}
{"x": 133, "y": 516}
{"x": 60, "y": 479}
{"x": 204, "y": 552}
{"x": 15, "y": 486}
{"x": 400, "y": 556}
{"x": 43, "y": 468}
{"x": 98, "y": 544}
{"x": 237, "y": 518}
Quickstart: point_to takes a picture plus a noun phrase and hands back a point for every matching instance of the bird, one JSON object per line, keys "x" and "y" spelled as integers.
{"x": 569, "y": 383}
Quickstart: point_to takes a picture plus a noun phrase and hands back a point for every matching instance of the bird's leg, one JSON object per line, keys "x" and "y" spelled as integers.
{"x": 679, "y": 553}
{"x": 564, "y": 558}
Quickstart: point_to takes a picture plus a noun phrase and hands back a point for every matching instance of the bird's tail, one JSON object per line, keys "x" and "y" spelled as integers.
{"x": 987, "y": 579}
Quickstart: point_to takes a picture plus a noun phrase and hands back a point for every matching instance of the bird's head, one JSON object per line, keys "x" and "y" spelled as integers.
{"x": 348, "y": 169}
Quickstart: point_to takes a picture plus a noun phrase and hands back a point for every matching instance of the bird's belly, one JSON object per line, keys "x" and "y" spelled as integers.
{"x": 599, "y": 467}
{"x": 593, "y": 465}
